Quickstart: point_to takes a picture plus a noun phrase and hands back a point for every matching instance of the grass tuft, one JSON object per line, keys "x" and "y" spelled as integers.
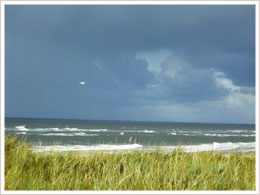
{"x": 137, "y": 170}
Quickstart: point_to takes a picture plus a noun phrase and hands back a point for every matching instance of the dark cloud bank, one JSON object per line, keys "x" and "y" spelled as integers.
{"x": 206, "y": 71}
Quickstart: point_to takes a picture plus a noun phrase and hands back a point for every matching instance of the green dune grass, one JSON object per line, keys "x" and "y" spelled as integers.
{"x": 137, "y": 170}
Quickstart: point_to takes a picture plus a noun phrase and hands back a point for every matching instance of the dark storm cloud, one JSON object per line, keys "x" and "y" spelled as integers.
{"x": 49, "y": 49}
{"x": 103, "y": 30}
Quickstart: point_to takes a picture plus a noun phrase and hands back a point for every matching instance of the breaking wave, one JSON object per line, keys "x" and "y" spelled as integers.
{"x": 87, "y": 148}
{"x": 146, "y": 131}
{"x": 68, "y": 134}
{"x": 21, "y": 128}
{"x": 21, "y": 133}
{"x": 215, "y": 146}
{"x": 229, "y": 135}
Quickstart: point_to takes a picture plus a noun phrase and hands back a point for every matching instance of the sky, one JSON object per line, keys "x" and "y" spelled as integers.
{"x": 176, "y": 63}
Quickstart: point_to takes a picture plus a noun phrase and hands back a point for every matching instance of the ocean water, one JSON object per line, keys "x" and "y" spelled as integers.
{"x": 92, "y": 135}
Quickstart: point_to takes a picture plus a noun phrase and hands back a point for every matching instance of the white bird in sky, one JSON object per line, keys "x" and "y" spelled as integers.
{"x": 82, "y": 82}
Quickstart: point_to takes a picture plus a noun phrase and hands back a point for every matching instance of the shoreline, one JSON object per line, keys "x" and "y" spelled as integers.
{"x": 214, "y": 147}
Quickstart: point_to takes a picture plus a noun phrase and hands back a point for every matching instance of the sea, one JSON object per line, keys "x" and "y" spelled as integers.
{"x": 104, "y": 135}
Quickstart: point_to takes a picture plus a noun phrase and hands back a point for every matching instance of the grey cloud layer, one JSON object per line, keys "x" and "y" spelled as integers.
{"x": 50, "y": 48}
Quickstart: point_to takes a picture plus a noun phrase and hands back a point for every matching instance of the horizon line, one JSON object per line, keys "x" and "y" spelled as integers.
{"x": 227, "y": 123}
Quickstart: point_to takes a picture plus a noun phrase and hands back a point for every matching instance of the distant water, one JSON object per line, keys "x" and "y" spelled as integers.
{"x": 88, "y": 135}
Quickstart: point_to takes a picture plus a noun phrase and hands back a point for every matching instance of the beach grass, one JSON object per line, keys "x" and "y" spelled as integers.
{"x": 137, "y": 170}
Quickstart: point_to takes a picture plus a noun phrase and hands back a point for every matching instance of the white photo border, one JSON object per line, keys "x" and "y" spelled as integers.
{"x": 120, "y": 2}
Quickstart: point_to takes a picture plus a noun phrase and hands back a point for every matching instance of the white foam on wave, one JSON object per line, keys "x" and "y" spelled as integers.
{"x": 71, "y": 129}
{"x": 173, "y": 133}
{"x": 68, "y": 134}
{"x": 122, "y": 133}
{"x": 146, "y": 131}
{"x": 216, "y": 130}
{"x": 215, "y": 146}
{"x": 187, "y": 134}
{"x": 229, "y": 135}
{"x": 238, "y": 130}
{"x": 21, "y": 133}
{"x": 59, "y": 129}
{"x": 21, "y": 128}
{"x": 97, "y": 130}
{"x": 86, "y": 148}
{"x": 47, "y": 129}
{"x": 56, "y": 129}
